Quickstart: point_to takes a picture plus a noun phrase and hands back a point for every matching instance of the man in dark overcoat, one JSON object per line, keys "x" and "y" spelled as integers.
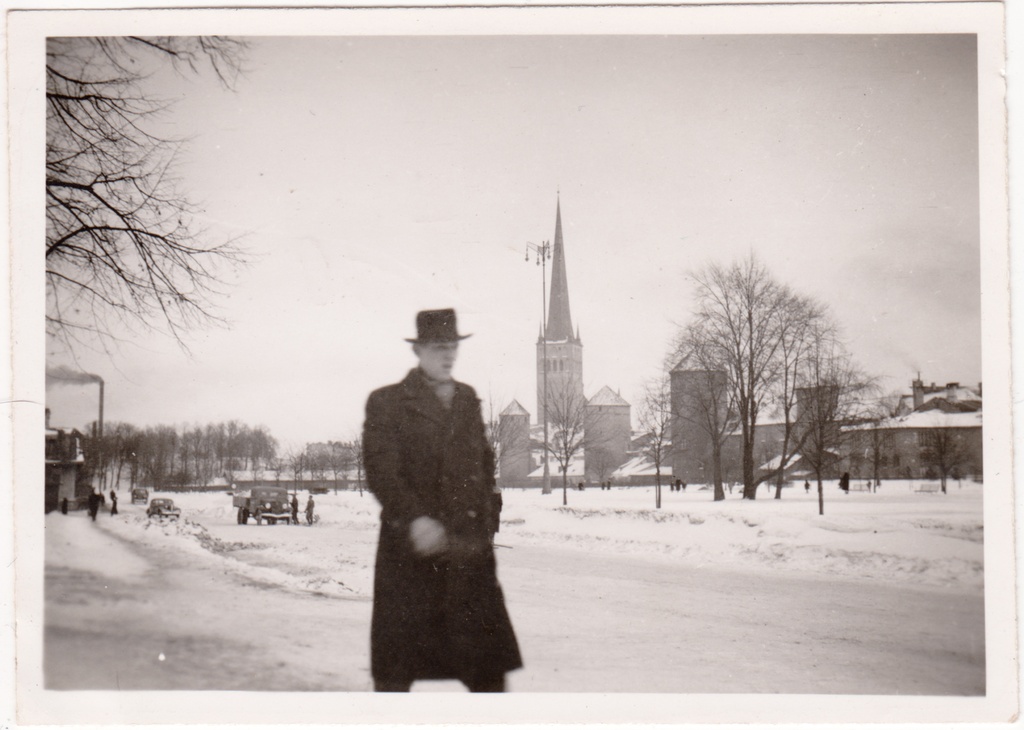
{"x": 438, "y": 610}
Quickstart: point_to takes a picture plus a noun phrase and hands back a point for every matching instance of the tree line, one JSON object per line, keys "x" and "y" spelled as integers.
{"x": 194, "y": 456}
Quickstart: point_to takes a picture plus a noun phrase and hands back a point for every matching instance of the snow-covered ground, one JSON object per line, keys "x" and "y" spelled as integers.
{"x": 881, "y": 595}
{"x": 896, "y": 534}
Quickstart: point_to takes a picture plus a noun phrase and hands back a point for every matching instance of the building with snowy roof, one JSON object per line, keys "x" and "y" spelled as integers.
{"x": 930, "y": 443}
{"x": 951, "y": 398}
{"x": 640, "y": 470}
{"x": 64, "y": 460}
{"x": 937, "y": 429}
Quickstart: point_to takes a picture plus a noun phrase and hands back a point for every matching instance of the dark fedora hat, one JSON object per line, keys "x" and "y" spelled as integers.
{"x": 436, "y": 325}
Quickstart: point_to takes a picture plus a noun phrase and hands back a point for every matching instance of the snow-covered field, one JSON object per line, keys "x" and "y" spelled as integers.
{"x": 896, "y": 534}
{"x": 606, "y": 593}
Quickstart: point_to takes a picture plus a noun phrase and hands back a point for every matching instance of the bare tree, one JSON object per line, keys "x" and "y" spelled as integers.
{"x": 798, "y": 320}
{"x": 318, "y": 461}
{"x": 123, "y": 246}
{"x": 655, "y": 420}
{"x": 880, "y": 440}
{"x": 339, "y": 460}
{"x": 357, "y": 455}
{"x": 704, "y": 404}
{"x": 298, "y": 463}
{"x": 738, "y": 311}
{"x": 567, "y": 411}
{"x": 602, "y": 462}
{"x": 831, "y": 397}
{"x": 501, "y": 435}
{"x": 945, "y": 451}
{"x": 278, "y": 464}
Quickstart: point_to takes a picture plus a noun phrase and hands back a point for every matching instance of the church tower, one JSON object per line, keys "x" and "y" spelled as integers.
{"x": 559, "y": 351}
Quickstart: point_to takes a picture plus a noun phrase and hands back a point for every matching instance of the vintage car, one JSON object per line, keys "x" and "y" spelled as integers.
{"x": 162, "y": 507}
{"x": 263, "y": 503}
{"x": 140, "y": 495}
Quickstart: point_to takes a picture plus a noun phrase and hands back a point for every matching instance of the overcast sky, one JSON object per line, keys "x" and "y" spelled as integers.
{"x": 372, "y": 177}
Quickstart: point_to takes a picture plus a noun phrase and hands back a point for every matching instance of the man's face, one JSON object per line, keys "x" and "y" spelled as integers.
{"x": 437, "y": 358}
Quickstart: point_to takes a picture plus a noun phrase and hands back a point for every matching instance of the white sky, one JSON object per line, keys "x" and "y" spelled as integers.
{"x": 374, "y": 176}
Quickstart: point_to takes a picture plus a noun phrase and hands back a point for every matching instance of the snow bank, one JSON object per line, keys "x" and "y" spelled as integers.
{"x": 895, "y": 535}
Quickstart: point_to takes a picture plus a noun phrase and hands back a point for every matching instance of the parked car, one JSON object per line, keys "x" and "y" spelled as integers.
{"x": 140, "y": 495}
{"x": 162, "y": 507}
{"x": 264, "y": 503}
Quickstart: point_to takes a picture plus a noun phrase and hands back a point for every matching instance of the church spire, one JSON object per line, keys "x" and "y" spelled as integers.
{"x": 559, "y": 319}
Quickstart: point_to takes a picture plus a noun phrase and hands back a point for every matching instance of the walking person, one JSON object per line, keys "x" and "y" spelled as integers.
{"x": 113, "y": 503}
{"x": 295, "y": 508}
{"x": 438, "y": 610}
{"x": 309, "y": 510}
{"x": 94, "y": 504}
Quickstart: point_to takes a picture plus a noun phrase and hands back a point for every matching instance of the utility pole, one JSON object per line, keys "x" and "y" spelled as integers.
{"x": 542, "y": 254}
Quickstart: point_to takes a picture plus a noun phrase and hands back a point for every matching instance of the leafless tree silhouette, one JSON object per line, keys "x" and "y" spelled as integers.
{"x": 655, "y": 419}
{"x": 124, "y": 249}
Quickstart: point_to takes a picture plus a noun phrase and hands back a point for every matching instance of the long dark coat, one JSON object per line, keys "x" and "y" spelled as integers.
{"x": 441, "y": 617}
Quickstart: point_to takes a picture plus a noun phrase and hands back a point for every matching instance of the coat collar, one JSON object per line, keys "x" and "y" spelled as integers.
{"x": 417, "y": 391}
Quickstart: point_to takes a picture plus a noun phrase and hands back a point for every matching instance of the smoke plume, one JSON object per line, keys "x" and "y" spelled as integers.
{"x": 65, "y": 375}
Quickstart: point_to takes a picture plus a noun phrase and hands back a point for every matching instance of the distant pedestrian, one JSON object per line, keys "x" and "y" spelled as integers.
{"x": 113, "y": 503}
{"x": 807, "y": 486}
{"x": 309, "y": 510}
{"x": 94, "y": 504}
{"x": 64, "y": 506}
{"x": 295, "y": 508}
{"x": 844, "y": 482}
{"x": 579, "y": 486}
{"x": 682, "y": 486}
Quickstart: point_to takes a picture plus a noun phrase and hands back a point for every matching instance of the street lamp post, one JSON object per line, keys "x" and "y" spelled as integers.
{"x": 542, "y": 253}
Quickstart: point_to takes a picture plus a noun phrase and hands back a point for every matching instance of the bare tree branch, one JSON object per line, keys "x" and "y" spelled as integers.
{"x": 123, "y": 250}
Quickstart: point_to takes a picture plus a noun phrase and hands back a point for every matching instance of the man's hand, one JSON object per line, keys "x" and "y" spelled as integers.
{"x": 428, "y": 536}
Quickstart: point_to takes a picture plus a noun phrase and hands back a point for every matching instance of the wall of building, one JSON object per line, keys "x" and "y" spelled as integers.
{"x": 608, "y": 430}
{"x": 564, "y": 371}
{"x": 902, "y": 452}
{"x": 514, "y": 464}
{"x": 691, "y": 456}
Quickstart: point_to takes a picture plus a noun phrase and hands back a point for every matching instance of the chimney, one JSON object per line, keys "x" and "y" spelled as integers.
{"x": 918, "y": 389}
{"x": 100, "y": 429}
{"x": 951, "y": 389}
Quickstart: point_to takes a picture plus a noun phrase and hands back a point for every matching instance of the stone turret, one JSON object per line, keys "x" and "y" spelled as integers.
{"x": 514, "y": 463}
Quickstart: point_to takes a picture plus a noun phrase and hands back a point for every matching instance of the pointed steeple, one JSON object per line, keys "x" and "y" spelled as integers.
{"x": 559, "y": 319}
